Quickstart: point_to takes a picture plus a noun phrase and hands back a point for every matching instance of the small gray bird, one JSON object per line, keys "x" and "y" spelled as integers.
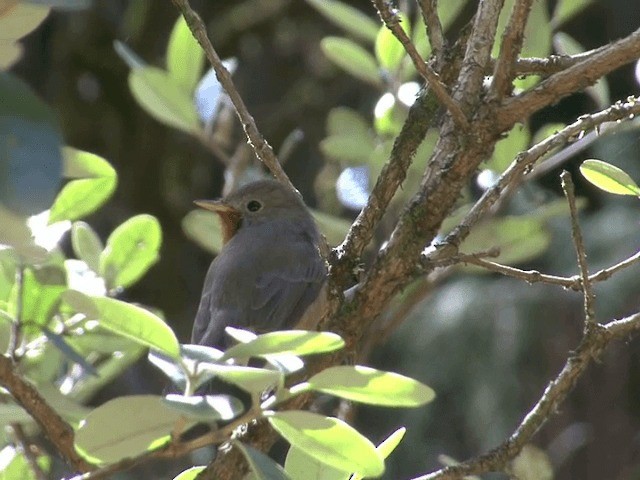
{"x": 269, "y": 274}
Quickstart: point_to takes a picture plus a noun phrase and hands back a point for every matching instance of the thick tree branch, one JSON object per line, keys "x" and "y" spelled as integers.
{"x": 571, "y": 80}
{"x": 54, "y": 427}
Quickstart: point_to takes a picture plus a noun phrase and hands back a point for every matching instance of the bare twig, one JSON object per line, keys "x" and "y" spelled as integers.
{"x": 592, "y": 345}
{"x": 429, "y": 9}
{"x": 431, "y": 77}
{"x": 551, "y": 64}
{"x": 54, "y": 427}
{"x": 578, "y": 243}
{"x": 260, "y": 146}
{"x": 510, "y": 48}
{"x": 22, "y": 443}
{"x": 525, "y": 160}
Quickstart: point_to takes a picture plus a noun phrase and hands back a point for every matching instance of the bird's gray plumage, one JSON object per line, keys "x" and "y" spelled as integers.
{"x": 268, "y": 273}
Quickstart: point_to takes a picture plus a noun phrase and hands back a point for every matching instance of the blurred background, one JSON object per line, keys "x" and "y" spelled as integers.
{"x": 488, "y": 345}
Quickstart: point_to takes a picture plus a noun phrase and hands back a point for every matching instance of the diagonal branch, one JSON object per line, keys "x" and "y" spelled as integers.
{"x": 429, "y": 9}
{"x": 431, "y": 77}
{"x": 54, "y": 427}
{"x": 591, "y": 347}
{"x": 566, "y": 82}
{"x": 512, "y": 40}
{"x": 260, "y": 146}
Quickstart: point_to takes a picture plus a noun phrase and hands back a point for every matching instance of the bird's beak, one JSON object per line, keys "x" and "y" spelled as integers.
{"x": 218, "y": 206}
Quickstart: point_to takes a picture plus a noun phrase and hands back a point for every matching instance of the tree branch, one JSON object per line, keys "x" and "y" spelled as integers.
{"x": 54, "y": 427}
{"x": 429, "y": 9}
{"x": 512, "y": 40}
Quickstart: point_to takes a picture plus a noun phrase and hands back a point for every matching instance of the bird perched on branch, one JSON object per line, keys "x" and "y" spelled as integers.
{"x": 269, "y": 274}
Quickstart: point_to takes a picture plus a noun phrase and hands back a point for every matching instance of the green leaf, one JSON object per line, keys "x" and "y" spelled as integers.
{"x": 507, "y": 148}
{"x": 190, "y": 473}
{"x": 95, "y": 182}
{"x": 41, "y": 290}
{"x": 387, "y": 447}
{"x": 86, "y": 244}
{"x": 164, "y": 98}
{"x": 295, "y": 342}
{"x": 299, "y": 465}
{"x": 263, "y": 467}
{"x": 203, "y": 228}
{"x": 368, "y": 385}
{"x": 125, "y": 427}
{"x": 185, "y": 57}
{"x": 131, "y": 249}
{"x": 329, "y": 440}
{"x": 389, "y": 50}
{"x": 347, "y": 149}
{"x": 250, "y": 379}
{"x": 352, "y": 58}
{"x": 567, "y": 9}
{"x": 609, "y": 178}
{"x": 346, "y": 121}
{"x": 348, "y": 18}
{"x": 518, "y": 238}
{"x": 207, "y": 408}
{"x": 14, "y": 465}
{"x": 131, "y": 321}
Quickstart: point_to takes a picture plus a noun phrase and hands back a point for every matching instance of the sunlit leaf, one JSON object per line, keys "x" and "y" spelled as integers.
{"x": 204, "y": 228}
{"x": 250, "y": 379}
{"x": 190, "y": 473}
{"x": 295, "y": 342}
{"x": 389, "y": 50}
{"x": 131, "y": 249}
{"x": 352, "y": 58}
{"x": 164, "y": 98}
{"x": 386, "y": 447}
{"x": 300, "y": 465}
{"x": 567, "y": 9}
{"x": 185, "y": 56}
{"x": 368, "y": 385}
{"x": 86, "y": 244}
{"x": 207, "y": 408}
{"x": 609, "y": 178}
{"x": 329, "y": 440}
{"x": 125, "y": 427}
{"x": 348, "y": 18}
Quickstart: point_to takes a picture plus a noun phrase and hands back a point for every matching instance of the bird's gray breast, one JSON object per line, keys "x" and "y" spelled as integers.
{"x": 264, "y": 279}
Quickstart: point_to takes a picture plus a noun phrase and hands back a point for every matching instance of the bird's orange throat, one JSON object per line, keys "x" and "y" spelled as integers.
{"x": 230, "y": 221}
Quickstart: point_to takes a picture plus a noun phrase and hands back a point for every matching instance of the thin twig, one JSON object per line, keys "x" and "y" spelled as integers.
{"x": 429, "y": 9}
{"x": 22, "y": 443}
{"x": 552, "y": 64}
{"x": 260, "y": 146}
{"x": 54, "y": 427}
{"x": 592, "y": 345}
{"x": 512, "y": 40}
{"x": 525, "y": 160}
{"x": 578, "y": 243}
{"x": 390, "y": 19}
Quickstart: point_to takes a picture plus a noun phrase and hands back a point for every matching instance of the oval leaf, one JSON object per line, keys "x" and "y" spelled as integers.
{"x": 207, "y": 408}
{"x": 86, "y": 244}
{"x": 352, "y": 58}
{"x": 368, "y": 385}
{"x": 136, "y": 323}
{"x": 125, "y": 427}
{"x": 190, "y": 473}
{"x": 250, "y": 379}
{"x": 294, "y": 342}
{"x": 348, "y": 18}
{"x": 263, "y": 467}
{"x": 609, "y": 178}
{"x": 329, "y": 440}
{"x": 132, "y": 248}
{"x": 387, "y": 446}
{"x": 203, "y": 228}
{"x": 300, "y": 465}
{"x": 389, "y": 50}
{"x": 164, "y": 98}
{"x": 185, "y": 57}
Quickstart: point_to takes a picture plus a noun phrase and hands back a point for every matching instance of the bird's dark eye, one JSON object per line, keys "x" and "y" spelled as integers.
{"x": 254, "y": 206}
